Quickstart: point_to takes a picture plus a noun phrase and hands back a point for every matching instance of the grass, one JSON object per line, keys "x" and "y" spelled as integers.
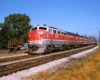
{"x": 87, "y": 69}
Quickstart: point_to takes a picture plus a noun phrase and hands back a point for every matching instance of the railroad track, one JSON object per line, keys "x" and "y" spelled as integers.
{"x": 17, "y": 65}
{"x": 14, "y": 58}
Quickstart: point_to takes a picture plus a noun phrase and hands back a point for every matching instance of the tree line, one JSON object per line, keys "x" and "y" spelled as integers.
{"x": 14, "y": 29}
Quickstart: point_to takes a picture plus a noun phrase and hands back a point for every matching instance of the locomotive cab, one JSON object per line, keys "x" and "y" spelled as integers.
{"x": 37, "y": 37}
{"x": 36, "y": 33}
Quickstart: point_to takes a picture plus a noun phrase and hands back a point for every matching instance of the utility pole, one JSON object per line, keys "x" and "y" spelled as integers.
{"x": 99, "y": 36}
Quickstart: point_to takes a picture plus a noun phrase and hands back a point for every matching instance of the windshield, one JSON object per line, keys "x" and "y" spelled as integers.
{"x": 43, "y": 28}
{"x": 34, "y": 28}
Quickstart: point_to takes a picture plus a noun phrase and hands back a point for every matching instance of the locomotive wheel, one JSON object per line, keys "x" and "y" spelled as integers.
{"x": 48, "y": 49}
{"x": 62, "y": 47}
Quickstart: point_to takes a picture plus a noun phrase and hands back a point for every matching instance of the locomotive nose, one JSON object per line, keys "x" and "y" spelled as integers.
{"x": 31, "y": 36}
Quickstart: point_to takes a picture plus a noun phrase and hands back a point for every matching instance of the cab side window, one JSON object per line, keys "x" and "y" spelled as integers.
{"x": 50, "y": 30}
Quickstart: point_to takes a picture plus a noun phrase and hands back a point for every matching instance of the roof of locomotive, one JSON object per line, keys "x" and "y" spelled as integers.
{"x": 69, "y": 33}
{"x": 49, "y": 27}
{"x": 56, "y": 29}
{"x": 53, "y": 27}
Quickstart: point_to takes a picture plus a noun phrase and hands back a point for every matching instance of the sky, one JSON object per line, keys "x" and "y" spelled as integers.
{"x": 77, "y": 16}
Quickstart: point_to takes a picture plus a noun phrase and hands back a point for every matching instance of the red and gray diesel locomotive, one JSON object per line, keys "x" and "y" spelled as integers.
{"x": 45, "y": 39}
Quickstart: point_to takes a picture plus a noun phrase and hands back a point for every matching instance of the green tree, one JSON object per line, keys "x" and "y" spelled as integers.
{"x": 15, "y": 29}
{"x": 1, "y": 26}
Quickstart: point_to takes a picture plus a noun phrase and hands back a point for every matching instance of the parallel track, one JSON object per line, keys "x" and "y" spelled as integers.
{"x": 14, "y": 66}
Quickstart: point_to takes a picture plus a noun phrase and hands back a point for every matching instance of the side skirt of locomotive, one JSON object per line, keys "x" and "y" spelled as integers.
{"x": 47, "y": 46}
